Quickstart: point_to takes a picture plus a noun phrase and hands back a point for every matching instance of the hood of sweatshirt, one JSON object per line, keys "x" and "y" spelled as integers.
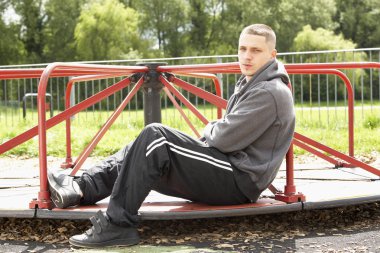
{"x": 271, "y": 70}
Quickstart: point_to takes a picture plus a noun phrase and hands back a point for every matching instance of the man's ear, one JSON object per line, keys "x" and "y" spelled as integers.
{"x": 274, "y": 53}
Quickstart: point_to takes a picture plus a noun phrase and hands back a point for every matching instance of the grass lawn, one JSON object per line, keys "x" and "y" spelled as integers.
{"x": 326, "y": 126}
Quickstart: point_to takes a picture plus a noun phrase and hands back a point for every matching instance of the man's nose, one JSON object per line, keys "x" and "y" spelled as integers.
{"x": 247, "y": 55}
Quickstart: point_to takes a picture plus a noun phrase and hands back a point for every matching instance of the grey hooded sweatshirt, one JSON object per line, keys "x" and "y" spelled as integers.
{"x": 257, "y": 129}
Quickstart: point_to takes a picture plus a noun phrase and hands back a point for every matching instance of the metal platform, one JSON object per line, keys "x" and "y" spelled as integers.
{"x": 323, "y": 185}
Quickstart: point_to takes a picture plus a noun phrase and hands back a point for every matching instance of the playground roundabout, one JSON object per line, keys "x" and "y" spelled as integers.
{"x": 339, "y": 229}
{"x": 324, "y": 204}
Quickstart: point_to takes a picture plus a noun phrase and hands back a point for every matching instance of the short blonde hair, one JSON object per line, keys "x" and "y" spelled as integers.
{"x": 262, "y": 30}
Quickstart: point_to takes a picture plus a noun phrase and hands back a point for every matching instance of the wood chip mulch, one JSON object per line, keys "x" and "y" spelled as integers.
{"x": 220, "y": 233}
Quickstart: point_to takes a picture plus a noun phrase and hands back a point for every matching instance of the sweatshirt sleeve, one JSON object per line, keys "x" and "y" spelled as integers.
{"x": 247, "y": 121}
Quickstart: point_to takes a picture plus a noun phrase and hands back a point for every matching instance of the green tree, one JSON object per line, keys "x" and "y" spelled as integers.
{"x": 31, "y": 27}
{"x": 107, "y": 30}
{"x": 298, "y": 13}
{"x": 166, "y": 22}
{"x": 62, "y": 17}
{"x": 11, "y": 47}
{"x": 359, "y": 21}
{"x": 286, "y": 17}
{"x": 199, "y": 21}
{"x": 320, "y": 39}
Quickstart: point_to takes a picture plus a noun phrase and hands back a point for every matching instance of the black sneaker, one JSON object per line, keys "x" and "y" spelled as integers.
{"x": 62, "y": 191}
{"x": 103, "y": 233}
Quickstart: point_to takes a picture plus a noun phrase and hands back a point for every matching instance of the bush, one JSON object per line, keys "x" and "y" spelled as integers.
{"x": 372, "y": 121}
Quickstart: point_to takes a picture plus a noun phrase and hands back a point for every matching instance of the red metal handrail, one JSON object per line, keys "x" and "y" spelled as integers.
{"x": 67, "y": 69}
{"x": 29, "y": 134}
{"x": 61, "y": 69}
{"x": 342, "y": 65}
{"x": 68, "y": 162}
{"x": 43, "y": 200}
{"x": 214, "y": 78}
{"x": 186, "y": 102}
{"x": 179, "y": 108}
{"x": 350, "y": 95}
{"x": 213, "y": 99}
{"x": 202, "y": 68}
{"x": 233, "y": 67}
{"x": 87, "y": 151}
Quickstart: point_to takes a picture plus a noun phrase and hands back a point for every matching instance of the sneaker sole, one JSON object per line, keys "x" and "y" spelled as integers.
{"x": 112, "y": 243}
{"x": 55, "y": 195}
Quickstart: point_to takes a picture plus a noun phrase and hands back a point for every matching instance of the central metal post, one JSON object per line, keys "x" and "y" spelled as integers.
{"x": 152, "y": 88}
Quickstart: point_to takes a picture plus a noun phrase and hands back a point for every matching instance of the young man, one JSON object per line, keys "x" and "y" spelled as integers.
{"x": 237, "y": 159}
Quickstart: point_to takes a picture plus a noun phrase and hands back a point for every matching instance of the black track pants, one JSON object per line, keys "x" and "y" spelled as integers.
{"x": 165, "y": 160}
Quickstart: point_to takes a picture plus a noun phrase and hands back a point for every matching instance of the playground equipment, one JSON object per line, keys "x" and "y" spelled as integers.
{"x": 152, "y": 78}
{"x": 35, "y": 95}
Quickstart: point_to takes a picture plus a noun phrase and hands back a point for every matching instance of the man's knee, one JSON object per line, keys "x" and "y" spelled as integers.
{"x": 153, "y": 128}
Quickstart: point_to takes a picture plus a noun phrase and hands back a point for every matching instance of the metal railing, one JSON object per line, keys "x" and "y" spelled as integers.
{"x": 313, "y": 94}
{"x": 152, "y": 80}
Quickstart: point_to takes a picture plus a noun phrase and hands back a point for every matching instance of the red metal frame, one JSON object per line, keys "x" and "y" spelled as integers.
{"x": 43, "y": 200}
{"x": 350, "y": 96}
{"x": 186, "y": 102}
{"x": 27, "y": 135}
{"x": 84, "y": 155}
{"x": 208, "y": 96}
{"x": 67, "y": 69}
{"x": 290, "y": 194}
{"x": 69, "y": 162}
{"x": 341, "y": 65}
{"x": 92, "y": 72}
{"x": 179, "y": 108}
{"x": 215, "y": 68}
{"x": 218, "y": 89}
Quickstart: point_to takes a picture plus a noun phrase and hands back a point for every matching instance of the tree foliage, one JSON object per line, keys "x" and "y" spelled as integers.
{"x": 107, "y": 30}
{"x": 166, "y": 22}
{"x": 55, "y": 30}
{"x": 31, "y": 29}
{"x": 359, "y": 21}
{"x": 320, "y": 39}
{"x": 62, "y": 17}
{"x": 11, "y": 47}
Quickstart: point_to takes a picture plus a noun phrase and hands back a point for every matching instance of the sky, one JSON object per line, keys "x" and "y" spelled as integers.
{"x": 10, "y": 16}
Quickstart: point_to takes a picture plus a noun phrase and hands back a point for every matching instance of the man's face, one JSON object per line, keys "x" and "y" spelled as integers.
{"x": 253, "y": 54}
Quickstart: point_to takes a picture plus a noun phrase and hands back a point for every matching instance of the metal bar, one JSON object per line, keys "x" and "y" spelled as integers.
{"x": 214, "y": 99}
{"x": 27, "y": 135}
{"x": 69, "y": 69}
{"x": 183, "y": 99}
{"x": 341, "y": 65}
{"x": 215, "y": 79}
{"x": 202, "y": 68}
{"x": 336, "y": 153}
{"x": 68, "y": 162}
{"x": 290, "y": 188}
{"x": 171, "y": 97}
{"x": 319, "y": 94}
{"x": 87, "y": 151}
{"x": 234, "y": 67}
{"x": 350, "y": 98}
{"x": 34, "y": 95}
{"x": 44, "y": 195}
{"x": 315, "y": 152}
